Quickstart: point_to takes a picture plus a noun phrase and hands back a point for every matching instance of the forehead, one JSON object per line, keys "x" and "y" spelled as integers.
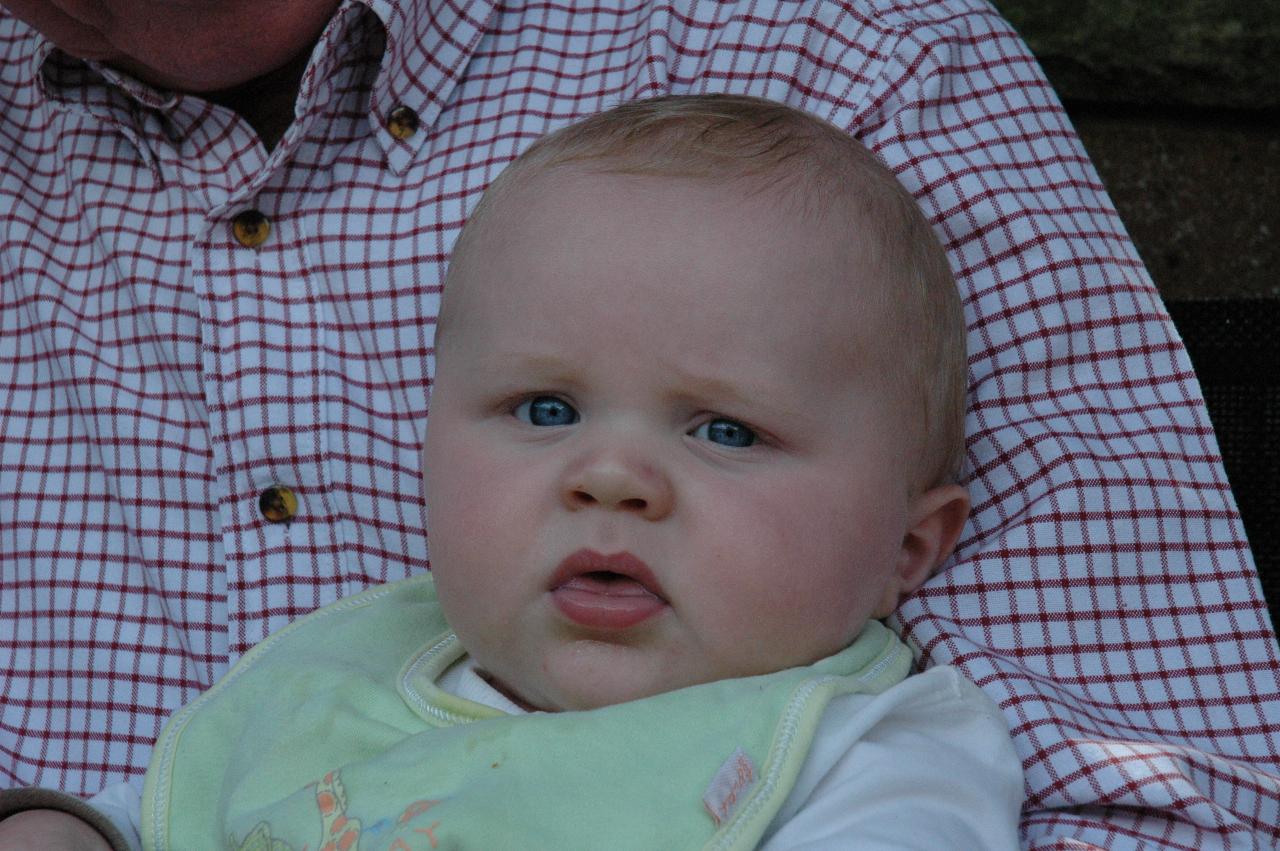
{"x": 675, "y": 257}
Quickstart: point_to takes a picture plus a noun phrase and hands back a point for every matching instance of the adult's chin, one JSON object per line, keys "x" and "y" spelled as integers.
{"x": 202, "y": 46}
{"x": 77, "y": 36}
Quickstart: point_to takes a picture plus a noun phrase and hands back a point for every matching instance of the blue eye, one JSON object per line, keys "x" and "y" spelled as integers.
{"x": 726, "y": 433}
{"x": 546, "y": 411}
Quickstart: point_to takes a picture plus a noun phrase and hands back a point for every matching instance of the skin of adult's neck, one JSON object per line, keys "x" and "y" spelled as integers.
{"x": 266, "y": 102}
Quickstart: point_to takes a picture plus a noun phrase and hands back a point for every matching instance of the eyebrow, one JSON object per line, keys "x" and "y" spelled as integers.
{"x": 698, "y": 387}
{"x": 692, "y": 385}
{"x": 551, "y": 365}
{"x": 756, "y": 391}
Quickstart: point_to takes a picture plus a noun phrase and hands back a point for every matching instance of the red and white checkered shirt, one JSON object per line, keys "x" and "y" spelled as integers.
{"x": 156, "y": 376}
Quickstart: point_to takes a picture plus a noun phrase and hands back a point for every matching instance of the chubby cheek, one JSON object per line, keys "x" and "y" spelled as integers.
{"x": 469, "y": 507}
{"x": 799, "y": 572}
{"x": 463, "y": 505}
{"x": 471, "y": 532}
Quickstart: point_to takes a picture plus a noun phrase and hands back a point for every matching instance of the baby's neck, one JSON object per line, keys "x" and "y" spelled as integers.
{"x": 506, "y": 692}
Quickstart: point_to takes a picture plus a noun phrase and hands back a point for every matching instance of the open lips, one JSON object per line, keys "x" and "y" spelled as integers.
{"x": 606, "y": 592}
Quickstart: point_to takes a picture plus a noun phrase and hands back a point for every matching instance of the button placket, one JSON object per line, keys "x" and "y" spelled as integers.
{"x": 262, "y": 338}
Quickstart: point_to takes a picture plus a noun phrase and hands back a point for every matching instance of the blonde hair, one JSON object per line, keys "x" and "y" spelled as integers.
{"x": 819, "y": 169}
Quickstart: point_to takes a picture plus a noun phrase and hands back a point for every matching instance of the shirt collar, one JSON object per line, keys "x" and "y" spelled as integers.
{"x": 102, "y": 92}
{"x": 58, "y": 74}
{"x": 428, "y": 44}
{"x": 463, "y": 679}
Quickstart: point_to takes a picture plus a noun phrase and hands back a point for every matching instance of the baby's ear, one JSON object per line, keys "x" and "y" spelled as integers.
{"x": 937, "y": 518}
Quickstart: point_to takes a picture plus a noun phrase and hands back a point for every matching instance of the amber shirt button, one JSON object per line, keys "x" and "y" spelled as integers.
{"x": 250, "y": 228}
{"x": 278, "y": 504}
{"x": 402, "y": 122}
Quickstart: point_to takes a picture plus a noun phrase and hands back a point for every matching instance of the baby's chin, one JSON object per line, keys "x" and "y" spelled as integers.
{"x": 593, "y": 675}
{"x": 583, "y": 699}
{"x": 575, "y": 695}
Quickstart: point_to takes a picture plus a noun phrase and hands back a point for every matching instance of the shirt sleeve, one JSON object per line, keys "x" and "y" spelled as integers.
{"x": 1103, "y": 594}
{"x": 926, "y": 765}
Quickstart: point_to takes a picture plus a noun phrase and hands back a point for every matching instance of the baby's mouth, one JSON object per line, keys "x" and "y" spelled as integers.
{"x": 606, "y": 592}
{"x": 608, "y": 583}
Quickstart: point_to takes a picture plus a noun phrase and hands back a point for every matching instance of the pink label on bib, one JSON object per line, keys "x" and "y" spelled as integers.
{"x": 730, "y": 785}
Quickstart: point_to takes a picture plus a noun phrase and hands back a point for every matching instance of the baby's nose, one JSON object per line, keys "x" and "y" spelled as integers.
{"x": 618, "y": 482}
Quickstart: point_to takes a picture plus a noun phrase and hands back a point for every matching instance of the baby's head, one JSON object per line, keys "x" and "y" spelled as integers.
{"x": 698, "y": 404}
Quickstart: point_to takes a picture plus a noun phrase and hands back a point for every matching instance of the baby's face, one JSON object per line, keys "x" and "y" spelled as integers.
{"x": 663, "y": 445}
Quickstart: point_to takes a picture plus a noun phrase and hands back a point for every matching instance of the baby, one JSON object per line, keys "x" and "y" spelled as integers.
{"x": 695, "y": 426}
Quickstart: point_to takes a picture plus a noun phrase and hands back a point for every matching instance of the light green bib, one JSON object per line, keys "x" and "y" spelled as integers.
{"x": 324, "y": 736}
